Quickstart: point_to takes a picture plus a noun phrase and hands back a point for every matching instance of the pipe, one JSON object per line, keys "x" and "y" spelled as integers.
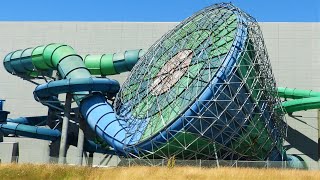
{"x": 76, "y": 86}
{"x": 302, "y": 99}
{"x": 21, "y": 63}
{"x": 293, "y": 93}
{"x": 30, "y": 131}
{"x": 32, "y": 62}
{"x": 110, "y": 64}
{"x": 46, "y": 134}
{"x": 32, "y": 121}
{"x": 301, "y": 104}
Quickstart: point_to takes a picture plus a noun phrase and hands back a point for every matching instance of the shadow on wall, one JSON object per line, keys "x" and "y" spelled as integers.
{"x": 302, "y": 143}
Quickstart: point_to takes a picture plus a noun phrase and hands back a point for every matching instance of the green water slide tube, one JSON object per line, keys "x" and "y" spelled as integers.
{"x": 301, "y": 99}
{"x": 114, "y": 63}
{"x": 29, "y": 63}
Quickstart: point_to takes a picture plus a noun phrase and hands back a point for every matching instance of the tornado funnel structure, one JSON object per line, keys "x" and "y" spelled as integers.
{"x": 205, "y": 90}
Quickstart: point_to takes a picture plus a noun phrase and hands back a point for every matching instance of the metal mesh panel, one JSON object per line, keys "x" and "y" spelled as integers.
{"x": 204, "y": 90}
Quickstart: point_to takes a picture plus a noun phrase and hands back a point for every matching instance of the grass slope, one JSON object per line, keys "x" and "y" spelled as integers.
{"x": 47, "y": 172}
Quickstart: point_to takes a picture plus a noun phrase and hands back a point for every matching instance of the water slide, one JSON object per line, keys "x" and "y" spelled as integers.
{"x": 23, "y": 63}
{"x": 88, "y": 92}
{"x": 302, "y": 100}
{"x": 299, "y": 100}
{"x": 241, "y": 108}
{"x": 208, "y": 117}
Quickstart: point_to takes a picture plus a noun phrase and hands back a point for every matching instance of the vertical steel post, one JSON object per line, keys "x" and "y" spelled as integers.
{"x": 52, "y": 113}
{"x": 64, "y": 131}
{"x": 90, "y": 160}
{"x": 86, "y": 158}
{"x": 80, "y": 139}
{"x": 1, "y": 136}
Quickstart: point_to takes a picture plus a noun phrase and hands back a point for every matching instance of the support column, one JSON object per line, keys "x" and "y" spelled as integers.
{"x": 64, "y": 131}
{"x": 1, "y": 136}
{"x": 15, "y": 153}
{"x": 90, "y": 160}
{"x": 52, "y": 114}
{"x": 80, "y": 139}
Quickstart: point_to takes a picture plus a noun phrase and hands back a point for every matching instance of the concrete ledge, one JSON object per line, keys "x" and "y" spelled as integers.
{"x": 9, "y": 152}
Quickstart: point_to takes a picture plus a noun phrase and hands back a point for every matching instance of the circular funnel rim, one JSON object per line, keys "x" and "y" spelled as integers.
{"x": 227, "y": 65}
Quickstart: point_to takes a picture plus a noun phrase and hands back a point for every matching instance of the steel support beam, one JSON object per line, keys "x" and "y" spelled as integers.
{"x": 90, "y": 160}
{"x": 1, "y": 136}
{"x": 80, "y": 139}
{"x": 52, "y": 114}
{"x": 64, "y": 131}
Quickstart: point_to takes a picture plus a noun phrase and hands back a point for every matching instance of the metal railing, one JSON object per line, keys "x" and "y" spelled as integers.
{"x": 113, "y": 161}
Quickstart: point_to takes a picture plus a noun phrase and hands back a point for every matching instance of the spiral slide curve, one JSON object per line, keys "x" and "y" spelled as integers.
{"x": 76, "y": 78}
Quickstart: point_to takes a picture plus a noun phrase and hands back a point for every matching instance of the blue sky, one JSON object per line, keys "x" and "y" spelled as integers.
{"x": 152, "y": 10}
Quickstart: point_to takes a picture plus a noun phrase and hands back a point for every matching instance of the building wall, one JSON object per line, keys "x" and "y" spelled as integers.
{"x": 293, "y": 50}
{"x": 295, "y": 57}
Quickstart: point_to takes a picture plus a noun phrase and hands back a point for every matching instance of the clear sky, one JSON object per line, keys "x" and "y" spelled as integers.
{"x": 152, "y": 10}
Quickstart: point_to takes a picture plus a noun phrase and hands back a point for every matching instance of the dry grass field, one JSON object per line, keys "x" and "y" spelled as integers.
{"x": 47, "y": 172}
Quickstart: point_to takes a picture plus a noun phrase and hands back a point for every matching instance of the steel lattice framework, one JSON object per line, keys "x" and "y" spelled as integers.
{"x": 204, "y": 90}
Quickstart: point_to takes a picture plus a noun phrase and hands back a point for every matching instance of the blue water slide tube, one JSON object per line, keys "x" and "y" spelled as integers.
{"x": 30, "y": 131}
{"x": 32, "y": 121}
{"x": 18, "y": 127}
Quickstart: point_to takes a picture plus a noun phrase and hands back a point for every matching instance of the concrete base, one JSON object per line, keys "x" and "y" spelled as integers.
{"x": 9, "y": 152}
{"x": 38, "y": 151}
{"x": 97, "y": 160}
{"x": 31, "y": 150}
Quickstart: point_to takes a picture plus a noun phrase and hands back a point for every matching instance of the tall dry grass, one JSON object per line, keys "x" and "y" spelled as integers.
{"x": 47, "y": 172}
